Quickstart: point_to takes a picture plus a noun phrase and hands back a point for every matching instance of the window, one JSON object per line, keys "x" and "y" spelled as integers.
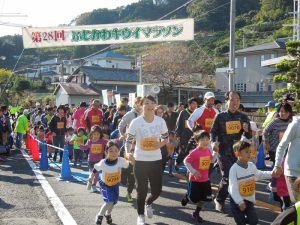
{"x": 245, "y": 61}
{"x": 273, "y": 55}
{"x": 260, "y": 87}
{"x": 236, "y": 63}
{"x": 262, "y": 58}
{"x": 240, "y": 87}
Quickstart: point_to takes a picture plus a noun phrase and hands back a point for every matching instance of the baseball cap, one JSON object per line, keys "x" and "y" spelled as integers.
{"x": 270, "y": 104}
{"x": 209, "y": 95}
{"x": 25, "y": 112}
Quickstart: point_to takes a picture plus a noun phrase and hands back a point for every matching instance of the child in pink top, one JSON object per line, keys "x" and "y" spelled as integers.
{"x": 198, "y": 162}
{"x": 78, "y": 117}
{"x": 96, "y": 147}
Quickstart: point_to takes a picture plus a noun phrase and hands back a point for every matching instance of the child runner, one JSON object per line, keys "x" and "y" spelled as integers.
{"x": 96, "y": 146}
{"x": 68, "y": 137}
{"x": 171, "y": 146}
{"x": 109, "y": 180}
{"x": 79, "y": 138}
{"x": 242, "y": 177}
{"x": 198, "y": 162}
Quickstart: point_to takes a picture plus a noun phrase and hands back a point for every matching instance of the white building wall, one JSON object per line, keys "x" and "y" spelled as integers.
{"x": 62, "y": 97}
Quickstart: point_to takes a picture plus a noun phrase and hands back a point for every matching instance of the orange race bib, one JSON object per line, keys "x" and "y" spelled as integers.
{"x": 253, "y": 152}
{"x": 60, "y": 125}
{"x": 81, "y": 120}
{"x": 79, "y": 141}
{"x": 95, "y": 119}
{"x": 112, "y": 179}
{"x": 204, "y": 163}
{"x": 170, "y": 148}
{"x": 209, "y": 122}
{"x": 96, "y": 148}
{"x": 247, "y": 188}
{"x": 149, "y": 144}
{"x": 280, "y": 135}
{"x": 233, "y": 127}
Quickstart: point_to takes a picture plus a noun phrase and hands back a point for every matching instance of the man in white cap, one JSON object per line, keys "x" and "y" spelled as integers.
{"x": 204, "y": 116}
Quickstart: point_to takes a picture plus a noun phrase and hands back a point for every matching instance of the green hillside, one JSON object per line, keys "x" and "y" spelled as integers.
{"x": 257, "y": 21}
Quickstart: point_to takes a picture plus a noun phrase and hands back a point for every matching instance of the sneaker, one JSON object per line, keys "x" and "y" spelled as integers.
{"x": 93, "y": 189}
{"x": 149, "y": 211}
{"x": 219, "y": 206}
{"x": 140, "y": 220}
{"x": 129, "y": 197}
{"x": 88, "y": 186}
{"x": 98, "y": 220}
{"x": 197, "y": 218}
{"x": 171, "y": 175}
{"x": 108, "y": 219}
{"x": 184, "y": 201}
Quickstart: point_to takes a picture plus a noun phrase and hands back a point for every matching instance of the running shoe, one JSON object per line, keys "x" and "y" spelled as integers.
{"x": 140, "y": 220}
{"x": 88, "y": 186}
{"x": 149, "y": 211}
{"x": 197, "y": 218}
{"x": 129, "y": 197}
{"x": 184, "y": 200}
{"x": 219, "y": 206}
{"x": 99, "y": 219}
{"x": 93, "y": 189}
{"x": 108, "y": 219}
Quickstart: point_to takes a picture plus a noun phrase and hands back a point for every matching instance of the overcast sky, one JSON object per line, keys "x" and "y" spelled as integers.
{"x": 45, "y": 13}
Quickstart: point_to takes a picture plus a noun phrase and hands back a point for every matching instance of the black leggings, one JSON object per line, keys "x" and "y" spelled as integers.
{"x": 144, "y": 171}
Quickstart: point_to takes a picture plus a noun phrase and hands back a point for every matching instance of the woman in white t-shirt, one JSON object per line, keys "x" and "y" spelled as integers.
{"x": 150, "y": 133}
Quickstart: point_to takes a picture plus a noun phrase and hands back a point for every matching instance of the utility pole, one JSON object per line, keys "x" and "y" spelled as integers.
{"x": 141, "y": 68}
{"x": 232, "y": 48}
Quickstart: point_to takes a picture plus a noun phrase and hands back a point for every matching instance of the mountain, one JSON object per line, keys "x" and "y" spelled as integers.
{"x": 257, "y": 21}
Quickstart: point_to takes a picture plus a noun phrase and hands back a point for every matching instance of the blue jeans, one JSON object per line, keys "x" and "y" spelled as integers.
{"x": 19, "y": 138}
{"x": 248, "y": 216}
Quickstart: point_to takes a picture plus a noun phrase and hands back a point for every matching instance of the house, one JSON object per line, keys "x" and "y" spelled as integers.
{"x": 72, "y": 93}
{"x": 120, "y": 81}
{"x": 251, "y": 76}
{"x": 109, "y": 60}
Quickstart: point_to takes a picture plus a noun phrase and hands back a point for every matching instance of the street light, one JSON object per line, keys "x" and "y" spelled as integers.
{"x": 232, "y": 42}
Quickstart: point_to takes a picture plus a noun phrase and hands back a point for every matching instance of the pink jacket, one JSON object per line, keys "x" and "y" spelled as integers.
{"x": 78, "y": 117}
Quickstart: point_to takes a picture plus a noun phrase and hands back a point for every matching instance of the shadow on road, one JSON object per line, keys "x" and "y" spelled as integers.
{"x": 4, "y": 205}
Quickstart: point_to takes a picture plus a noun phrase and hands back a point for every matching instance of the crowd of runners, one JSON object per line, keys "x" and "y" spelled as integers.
{"x": 135, "y": 145}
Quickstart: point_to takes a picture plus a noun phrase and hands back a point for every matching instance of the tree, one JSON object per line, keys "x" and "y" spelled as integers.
{"x": 5, "y": 84}
{"x": 290, "y": 73}
{"x": 170, "y": 65}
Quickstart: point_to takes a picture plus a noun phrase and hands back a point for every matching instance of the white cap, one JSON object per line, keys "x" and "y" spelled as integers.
{"x": 209, "y": 95}
{"x": 26, "y": 111}
{"x": 37, "y": 104}
{"x": 253, "y": 126}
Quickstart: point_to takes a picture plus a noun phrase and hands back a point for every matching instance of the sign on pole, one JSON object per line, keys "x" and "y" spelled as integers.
{"x": 131, "y": 99}
{"x": 118, "y": 99}
{"x": 150, "y": 31}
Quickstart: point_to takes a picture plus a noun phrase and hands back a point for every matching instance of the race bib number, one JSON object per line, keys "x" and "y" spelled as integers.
{"x": 204, "y": 163}
{"x": 170, "y": 148}
{"x": 247, "y": 188}
{"x": 95, "y": 119}
{"x": 149, "y": 144}
{"x": 112, "y": 179}
{"x": 253, "y": 152}
{"x": 96, "y": 148}
{"x": 79, "y": 141}
{"x": 233, "y": 127}
{"x": 209, "y": 123}
{"x": 280, "y": 135}
{"x": 81, "y": 120}
{"x": 60, "y": 125}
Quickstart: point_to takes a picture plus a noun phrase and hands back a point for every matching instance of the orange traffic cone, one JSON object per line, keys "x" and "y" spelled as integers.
{"x": 35, "y": 150}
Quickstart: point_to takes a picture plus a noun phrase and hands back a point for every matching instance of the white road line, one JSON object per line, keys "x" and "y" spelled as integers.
{"x": 59, "y": 207}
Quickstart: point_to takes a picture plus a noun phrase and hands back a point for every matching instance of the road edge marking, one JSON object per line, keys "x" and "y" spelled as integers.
{"x": 62, "y": 212}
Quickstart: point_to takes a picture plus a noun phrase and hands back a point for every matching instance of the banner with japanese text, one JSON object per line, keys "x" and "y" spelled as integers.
{"x": 151, "y": 31}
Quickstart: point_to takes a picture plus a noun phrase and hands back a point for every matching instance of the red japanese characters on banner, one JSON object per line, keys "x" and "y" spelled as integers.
{"x": 48, "y": 36}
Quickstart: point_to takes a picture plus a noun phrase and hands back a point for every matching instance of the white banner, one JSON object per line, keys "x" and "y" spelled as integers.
{"x": 131, "y": 99}
{"x": 118, "y": 99}
{"x": 151, "y": 31}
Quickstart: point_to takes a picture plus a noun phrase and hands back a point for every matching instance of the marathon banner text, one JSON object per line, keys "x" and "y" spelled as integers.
{"x": 151, "y": 31}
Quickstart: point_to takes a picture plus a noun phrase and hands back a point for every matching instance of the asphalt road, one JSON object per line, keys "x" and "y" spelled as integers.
{"x": 23, "y": 200}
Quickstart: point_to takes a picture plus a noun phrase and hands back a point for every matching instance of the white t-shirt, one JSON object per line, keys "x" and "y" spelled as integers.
{"x": 146, "y": 134}
{"x": 111, "y": 174}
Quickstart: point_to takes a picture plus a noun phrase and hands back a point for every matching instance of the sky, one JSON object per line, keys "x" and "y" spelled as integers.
{"x": 48, "y": 13}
